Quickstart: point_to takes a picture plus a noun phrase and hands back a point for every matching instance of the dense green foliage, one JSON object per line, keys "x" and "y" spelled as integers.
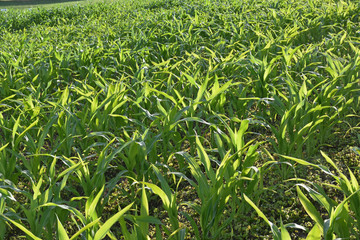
{"x": 178, "y": 119}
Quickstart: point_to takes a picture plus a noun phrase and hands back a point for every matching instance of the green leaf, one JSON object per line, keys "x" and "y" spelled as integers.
{"x": 204, "y": 158}
{"x": 315, "y": 233}
{"x": 164, "y": 185}
{"x": 88, "y": 226}
{"x": 3, "y": 147}
{"x": 21, "y": 135}
{"x": 300, "y": 161}
{"x": 68, "y": 170}
{"x": 91, "y": 205}
{"x": 216, "y": 91}
{"x": 309, "y": 207}
{"x": 276, "y": 232}
{"x": 22, "y": 228}
{"x": 158, "y": 191}
{"x": 179, "y": 230}
{"x": 354, "y": 182}
{"x": 284, "y": 233}
{"x": 104, "y": 229}
{"x": 144, "y": 212}
{"x": 62, "y": 234}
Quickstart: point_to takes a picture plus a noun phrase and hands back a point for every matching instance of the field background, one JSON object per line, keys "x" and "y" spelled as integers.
{"x": 167, "y": 119}
{"x": 29, "y": 4}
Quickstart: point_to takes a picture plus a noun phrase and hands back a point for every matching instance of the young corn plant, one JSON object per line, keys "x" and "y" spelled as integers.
{"x": 245, "y": 154}
{"x": 215, "y": 188}
{"x": 141, "y": 222}
{"x": 305, "y": 124}
{"x": 98, "y": 234}
{"x": 213, "y": 195}
{"x": 168, "y": 199}
{"x": 39, "y": 211}
{"x": 343, "y": 217}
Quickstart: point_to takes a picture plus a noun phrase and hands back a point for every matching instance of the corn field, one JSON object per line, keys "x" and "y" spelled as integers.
{"x": 181, "y": 119}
